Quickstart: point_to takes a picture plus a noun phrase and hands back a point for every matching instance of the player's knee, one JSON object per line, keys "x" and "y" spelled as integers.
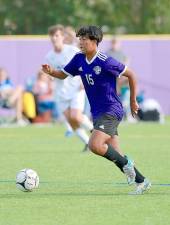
{"x": 94, "y": 146}
{"x": 75, "y": 119}
{"x": 73, "y": 124}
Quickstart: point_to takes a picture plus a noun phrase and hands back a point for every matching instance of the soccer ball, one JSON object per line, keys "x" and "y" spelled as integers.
{"x": 27, "y": 180}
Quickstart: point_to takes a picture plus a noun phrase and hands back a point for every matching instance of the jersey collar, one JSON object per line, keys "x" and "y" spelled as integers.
{"x": 94, "y": 57}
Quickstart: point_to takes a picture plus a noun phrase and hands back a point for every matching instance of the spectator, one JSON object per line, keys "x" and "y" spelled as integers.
{"x": 122, "y": 85}
{"x": 11, "y": 97}
{"x": 43, "y": 89}
{"x": 116, "y": 52}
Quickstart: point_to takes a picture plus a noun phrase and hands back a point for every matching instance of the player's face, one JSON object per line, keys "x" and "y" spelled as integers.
{"x": 57, "y": 39}
{"x": 87, "y": 45}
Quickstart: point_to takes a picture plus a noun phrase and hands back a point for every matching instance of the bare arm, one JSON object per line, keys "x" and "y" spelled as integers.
{"x": 54, "y": 73}
{"x": 133, "y": 90}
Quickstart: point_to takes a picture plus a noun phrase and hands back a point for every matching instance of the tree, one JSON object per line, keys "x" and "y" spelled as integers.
{"x": 127, "y": 16}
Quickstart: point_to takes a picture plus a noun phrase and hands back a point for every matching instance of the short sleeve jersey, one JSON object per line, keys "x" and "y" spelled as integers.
{"x": 99, "y": 77}
{"x": 68, "y": 88}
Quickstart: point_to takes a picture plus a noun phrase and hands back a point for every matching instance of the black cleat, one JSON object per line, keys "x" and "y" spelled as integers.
{"x": 85, "y": 149}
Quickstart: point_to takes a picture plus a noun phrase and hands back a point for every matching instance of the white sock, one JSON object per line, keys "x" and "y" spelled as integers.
{"x": 81, "y": 133}
{"x": 86, "y": 123}
{"x": 68, "y": 126}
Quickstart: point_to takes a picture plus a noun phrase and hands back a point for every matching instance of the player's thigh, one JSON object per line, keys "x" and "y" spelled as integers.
{"x": 67, "y": 113}
{"x": 78, "y": 101}
{"x": 76, "y": 115}
{"x": 63, "y": 105}
{"x": 72, "y": 122}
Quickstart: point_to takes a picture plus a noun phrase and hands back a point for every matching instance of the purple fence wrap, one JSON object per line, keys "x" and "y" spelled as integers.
{"x": 149, "y": 58}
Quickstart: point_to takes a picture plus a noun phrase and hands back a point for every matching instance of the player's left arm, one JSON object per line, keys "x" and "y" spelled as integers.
{"x": 133, "y": 90}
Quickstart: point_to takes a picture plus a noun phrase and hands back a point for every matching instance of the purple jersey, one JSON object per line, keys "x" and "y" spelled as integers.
{"x": 99, "y": 79}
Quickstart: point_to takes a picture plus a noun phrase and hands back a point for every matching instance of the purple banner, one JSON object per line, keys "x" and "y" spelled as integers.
{"x": 149, "y": 58}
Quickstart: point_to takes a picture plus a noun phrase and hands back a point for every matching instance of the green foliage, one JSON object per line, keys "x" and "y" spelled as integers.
{"x": 126, "y": 16}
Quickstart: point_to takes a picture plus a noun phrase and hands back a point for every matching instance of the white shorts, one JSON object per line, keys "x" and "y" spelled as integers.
{"x": 77, "y": 102}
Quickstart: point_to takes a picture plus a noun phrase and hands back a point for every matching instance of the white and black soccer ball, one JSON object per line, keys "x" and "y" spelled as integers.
{"x": 27, "y": 180}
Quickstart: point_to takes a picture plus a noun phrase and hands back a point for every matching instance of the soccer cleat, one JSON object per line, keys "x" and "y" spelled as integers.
{"x": 141, "y": 187}
{"x": 22, "y": 122}
{"x": 130, "y": 171}
{"x": 68, "y": 133}
{"x": 85, "y": 149}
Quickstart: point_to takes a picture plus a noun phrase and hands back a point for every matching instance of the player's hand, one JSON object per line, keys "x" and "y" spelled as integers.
{"x": 134, "y": 107}
{"x": 47, "y": 69}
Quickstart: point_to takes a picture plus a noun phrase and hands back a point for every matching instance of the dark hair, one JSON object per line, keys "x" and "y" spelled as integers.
{"x": 54, "y": 28}
{"x": 92, "y": 32}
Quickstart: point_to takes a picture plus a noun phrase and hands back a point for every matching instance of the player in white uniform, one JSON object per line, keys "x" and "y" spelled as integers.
{"x": 69, "y": 92}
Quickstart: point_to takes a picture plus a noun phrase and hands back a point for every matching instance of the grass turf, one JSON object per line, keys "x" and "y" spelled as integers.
{"x": 83, "y": 189}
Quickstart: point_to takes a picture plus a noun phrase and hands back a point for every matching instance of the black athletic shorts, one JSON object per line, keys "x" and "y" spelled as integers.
{"x": 107, "y": 124}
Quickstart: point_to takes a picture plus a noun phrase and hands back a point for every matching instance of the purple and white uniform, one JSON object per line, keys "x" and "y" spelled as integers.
{"x": 99, "y": 78}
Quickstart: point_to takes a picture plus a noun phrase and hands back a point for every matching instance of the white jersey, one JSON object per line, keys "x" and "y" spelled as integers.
{"x": 65, "y": 89}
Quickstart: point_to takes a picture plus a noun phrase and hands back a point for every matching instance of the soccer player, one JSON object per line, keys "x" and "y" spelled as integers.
{"x": 99, "y": 73}
{"x": 69, "y": 92}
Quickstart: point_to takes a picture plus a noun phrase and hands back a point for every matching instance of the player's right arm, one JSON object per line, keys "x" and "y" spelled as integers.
{"x": 52, "y": 72}
{"x": 71, "y": 69}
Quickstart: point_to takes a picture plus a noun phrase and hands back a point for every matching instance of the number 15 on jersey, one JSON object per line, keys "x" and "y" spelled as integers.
{"x": 89, "y": 79}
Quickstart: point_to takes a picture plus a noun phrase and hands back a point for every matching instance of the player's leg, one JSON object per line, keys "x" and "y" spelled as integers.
{"x": 114, "y": 141}
{"x": 75, "y": 119}
{"x": 141, "y": 187}
{"x": 66, "y": 114}
{"x": 78, "y": 103}
{"x": 15, "y": 100}
{"x": 142, "y": 183}
{"x": 79, "y": 119}
{"x": 69, "y": 131}
{"x": 64, "y": 110}
{"x": 72, "y": 111}
{"x": 98, "y": 145}
{"x": 86, "y": 123}
{"x": 104, "y": 128}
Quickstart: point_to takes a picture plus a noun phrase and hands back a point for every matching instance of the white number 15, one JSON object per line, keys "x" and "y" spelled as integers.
{"x": 89, "y": 79}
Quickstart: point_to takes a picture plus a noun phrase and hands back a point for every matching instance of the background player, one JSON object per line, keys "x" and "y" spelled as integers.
{"x": 69, "y": 92}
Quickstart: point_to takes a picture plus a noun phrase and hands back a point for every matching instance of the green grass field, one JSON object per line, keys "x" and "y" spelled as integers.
{"x": 83, "y": 189}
